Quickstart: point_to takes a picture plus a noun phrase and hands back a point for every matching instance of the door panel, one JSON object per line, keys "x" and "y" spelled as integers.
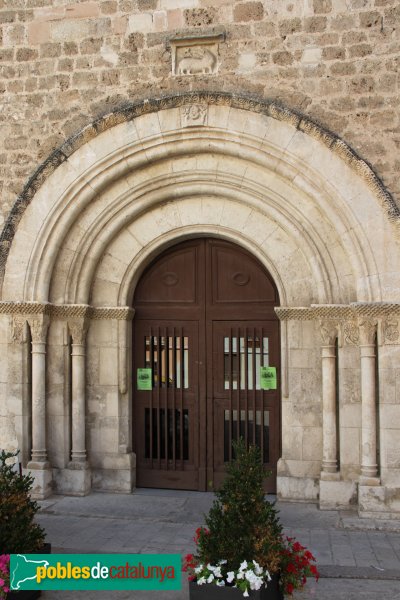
{"x": 239, "y": 406}
{"x": 192, "y": 329}
{"x": 166, "y": 416}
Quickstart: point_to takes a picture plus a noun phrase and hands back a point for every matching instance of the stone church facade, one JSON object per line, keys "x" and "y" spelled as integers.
{"x": 193, "y": 191}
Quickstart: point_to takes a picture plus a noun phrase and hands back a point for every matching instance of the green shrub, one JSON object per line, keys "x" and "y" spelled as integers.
{"x": 18, "y": 532}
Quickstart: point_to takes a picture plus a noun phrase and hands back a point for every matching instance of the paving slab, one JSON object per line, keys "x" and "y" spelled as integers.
{"x": 358, "y": 558}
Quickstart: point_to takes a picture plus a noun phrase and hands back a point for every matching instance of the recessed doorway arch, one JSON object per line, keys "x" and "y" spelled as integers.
{"x": 204, "y": 327}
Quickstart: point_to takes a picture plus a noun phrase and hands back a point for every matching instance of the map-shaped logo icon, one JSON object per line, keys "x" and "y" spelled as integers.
{"x": 24, "y": 571}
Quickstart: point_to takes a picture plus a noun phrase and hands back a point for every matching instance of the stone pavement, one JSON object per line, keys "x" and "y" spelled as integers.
{"x": 357, "y": 558}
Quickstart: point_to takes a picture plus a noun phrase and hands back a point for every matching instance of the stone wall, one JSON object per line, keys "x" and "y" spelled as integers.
{"x": 62, "y": 63}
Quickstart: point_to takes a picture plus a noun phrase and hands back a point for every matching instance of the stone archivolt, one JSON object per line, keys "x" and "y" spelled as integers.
{"x": 139, "y": 181}
{"x": 131, "y": 112}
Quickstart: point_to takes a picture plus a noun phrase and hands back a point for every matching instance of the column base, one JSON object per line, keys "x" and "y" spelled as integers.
{"x": 43, "y": 480}
{"x": 366, "y": 480}
{"x": 300, "y": 489}
{"x": 335, "y": 494}
{"x": 76, "y": 480}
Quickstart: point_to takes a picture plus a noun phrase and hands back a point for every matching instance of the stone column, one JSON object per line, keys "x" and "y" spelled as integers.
{"x": 79, "y": 479}
{"x": 39, "y": 326}
{"x": 78, "y": 329}
{"x": 329, "y": 331}
{"x": 369, "y": 467}
{"x": 39, "y": 464}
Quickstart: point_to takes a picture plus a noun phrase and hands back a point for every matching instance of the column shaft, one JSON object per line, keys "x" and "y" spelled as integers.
{"x": 329, "y": 425}
{"x": 369, "y": 467}
{"x": 39, "y": 453}
{"x": 78, "y": 404}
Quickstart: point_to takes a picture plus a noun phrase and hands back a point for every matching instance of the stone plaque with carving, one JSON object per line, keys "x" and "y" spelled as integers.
{"x": 193, "y": 115}
{"x": 195, "y": 56}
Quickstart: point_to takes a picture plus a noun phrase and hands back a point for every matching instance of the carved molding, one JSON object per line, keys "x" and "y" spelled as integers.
{"x": 329, "y": 332}
{"x": 67, "y": 311}
{"x": 121, "y": 313}
{"x": 339, "y": 312}
{"x": 24, "y": 308}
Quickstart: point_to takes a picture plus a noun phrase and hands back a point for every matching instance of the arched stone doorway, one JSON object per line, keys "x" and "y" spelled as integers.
{"x": 204, "y": 327}
{"x": 145, "y": 178}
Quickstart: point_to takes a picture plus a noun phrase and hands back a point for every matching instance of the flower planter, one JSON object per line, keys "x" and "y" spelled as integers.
{"x": 29, "y": 594}
{"x": 24, "y": 595}
{"x": 213, "y": 592}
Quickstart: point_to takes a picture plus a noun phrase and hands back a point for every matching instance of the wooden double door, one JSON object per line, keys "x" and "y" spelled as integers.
{"x": 204, "y": 326}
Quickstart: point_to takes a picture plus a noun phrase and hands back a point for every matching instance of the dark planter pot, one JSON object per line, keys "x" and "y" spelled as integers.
{"x": 213, "y": 592}
{"x": 29, "y": 594}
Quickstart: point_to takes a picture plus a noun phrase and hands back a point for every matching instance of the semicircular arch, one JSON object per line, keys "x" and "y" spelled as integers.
{"x": 288, "y": 182}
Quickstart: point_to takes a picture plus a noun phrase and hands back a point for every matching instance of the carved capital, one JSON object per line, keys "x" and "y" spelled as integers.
{"x": 351, "y": 333}
{"x": 367, "y": 332}
{"x": 329, "y": 332}
{"x": 39, "y": 326}
{"x": 390, "y": 331}
{"x": 17, "y": 327}
{"x": 78, "y": 329}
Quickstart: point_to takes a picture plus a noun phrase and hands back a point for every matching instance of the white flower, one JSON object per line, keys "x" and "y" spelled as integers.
{"x": 230, "y": 576}
{"x": 220, "y": 583}
{"x": 210, "y": 578}
{"x": 201, "y": 581}
{"x": 258, "y": 570}
{"x": 243, "y": 566}
{"x": 246, "y": 594}
{"x": 223, "y": 561}
{"x": 199, "y": 569}
{"x": 240, "y": 575}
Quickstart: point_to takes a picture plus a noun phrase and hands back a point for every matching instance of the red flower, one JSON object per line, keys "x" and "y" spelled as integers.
{"x": 291, "y": 568}
{"x": 297, "y": 547}
{"x": 290, "y": 588}
{"x": 314, "y": 571}
{"x": 189, "y": 562}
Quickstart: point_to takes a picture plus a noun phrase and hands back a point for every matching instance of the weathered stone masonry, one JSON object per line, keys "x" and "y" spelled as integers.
{"x": 130, "y": 125}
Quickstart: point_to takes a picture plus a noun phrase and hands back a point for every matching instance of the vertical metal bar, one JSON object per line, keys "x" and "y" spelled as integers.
{"x": 158, "y": 399}
{"x": 230, "y": 380}
{"x": 254, "y": 384}
{"x": 262, "y": 397}
{"x": 238, "y": 383}
{"x": 246, "y": 382}
{"x": 164, "y": 392}
{"x": 173, "y": 382}
{"x": 182, "y": 375}
{"x": 151, "y": 351}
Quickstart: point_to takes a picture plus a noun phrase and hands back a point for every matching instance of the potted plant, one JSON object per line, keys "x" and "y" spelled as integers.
{"x": 241, "y": 551}
{"x": 4, "y": 575}
{"x": 19, "y": 534}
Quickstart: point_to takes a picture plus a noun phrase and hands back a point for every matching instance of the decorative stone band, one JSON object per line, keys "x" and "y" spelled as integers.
{"x": 67, "y": 311}
{"x": 351, "y": 319}
{"x": 339, "y": 312}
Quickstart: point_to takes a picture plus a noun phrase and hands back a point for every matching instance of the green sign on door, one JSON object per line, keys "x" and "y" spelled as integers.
{"x": 268, "y": 378}
{"x": 144, "y": 379}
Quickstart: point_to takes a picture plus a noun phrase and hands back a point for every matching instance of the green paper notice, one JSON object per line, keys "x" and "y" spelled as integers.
{"x": 268, "y": 378}
{"x": 144, "y": 379}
